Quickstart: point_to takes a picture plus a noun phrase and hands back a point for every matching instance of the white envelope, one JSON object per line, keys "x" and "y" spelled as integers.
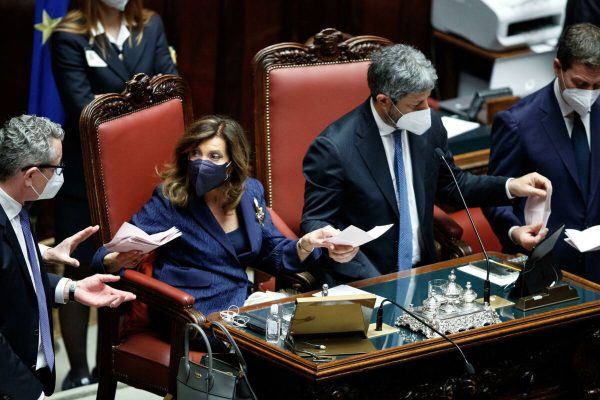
{"x": 94, "y": 60}
{"x": 537, "y": 210}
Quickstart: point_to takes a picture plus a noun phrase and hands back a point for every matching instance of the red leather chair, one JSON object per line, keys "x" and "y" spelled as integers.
{"x": 299, "y": 89}
{"x": 488, "y": 237}
{"x": 125, "y": 137}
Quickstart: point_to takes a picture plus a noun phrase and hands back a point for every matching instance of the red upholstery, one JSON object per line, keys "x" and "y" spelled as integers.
{"x": 302, "y": 102}
{"x": 125, "y": 139}
{"x": 488, "y": 237}
{"x": 127, "y": 165}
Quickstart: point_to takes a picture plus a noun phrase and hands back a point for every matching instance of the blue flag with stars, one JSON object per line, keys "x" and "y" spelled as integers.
{"x": 43, "y": 94}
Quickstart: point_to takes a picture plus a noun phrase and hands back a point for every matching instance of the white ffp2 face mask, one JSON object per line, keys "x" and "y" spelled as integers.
{"x": 580, "y": 99}
{"x": 52, "y": 186}
{"x": 417, "y": 122}
{"x": 118, "y": 4}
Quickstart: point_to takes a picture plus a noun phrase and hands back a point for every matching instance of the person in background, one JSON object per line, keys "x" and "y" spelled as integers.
{"x": 377, "y": 165}
{"x": 556, "y": 131}
{"x": 209, "y": 196}
{"x": 96, "y": 49}
{"x": 30, "y": 170}
{"x": 578, "y": 11}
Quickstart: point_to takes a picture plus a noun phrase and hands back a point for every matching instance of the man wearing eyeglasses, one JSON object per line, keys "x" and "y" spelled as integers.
{"x": 30, "y": 170}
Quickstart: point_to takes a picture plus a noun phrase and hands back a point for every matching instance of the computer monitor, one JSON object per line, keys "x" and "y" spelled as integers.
{"x": 541, "y": 269}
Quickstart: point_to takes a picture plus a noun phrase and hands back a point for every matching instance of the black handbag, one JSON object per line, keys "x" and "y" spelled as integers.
{"x": 213, "y": 378}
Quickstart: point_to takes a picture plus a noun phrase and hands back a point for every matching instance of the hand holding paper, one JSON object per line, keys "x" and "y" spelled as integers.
{"x": 537, "y": 209}
{"x": 353, "y": 236}
{"x": 129, "y": 237}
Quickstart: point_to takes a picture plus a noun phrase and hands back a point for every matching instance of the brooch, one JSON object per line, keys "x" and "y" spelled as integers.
{"x": 260, "y": 214}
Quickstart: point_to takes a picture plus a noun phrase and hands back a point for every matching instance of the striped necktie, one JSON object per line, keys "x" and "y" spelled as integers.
{"x": 39, "y": 290}
{"x": 405, "y": 229}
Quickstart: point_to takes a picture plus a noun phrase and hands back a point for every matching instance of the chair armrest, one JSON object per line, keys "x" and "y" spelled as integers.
{"x": 161, "y": 296}
{"x": 448, "y": 233}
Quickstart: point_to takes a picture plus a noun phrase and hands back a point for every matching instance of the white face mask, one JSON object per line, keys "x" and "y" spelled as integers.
{"x": 52, "y": 186}
{"x": 580, "y": 99}
{"x": 118, "y": 4}
{"x": 417, "y": 122}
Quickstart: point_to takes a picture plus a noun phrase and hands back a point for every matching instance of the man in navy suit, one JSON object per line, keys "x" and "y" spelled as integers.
{"x": 30, "y": 170}
{"x": 377, "y": 165}
{"x": 556, "y": 131}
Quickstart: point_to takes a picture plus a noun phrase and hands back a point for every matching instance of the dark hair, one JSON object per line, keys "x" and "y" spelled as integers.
{"x": 579, "y": 44}
{"x": 176, "y": 182}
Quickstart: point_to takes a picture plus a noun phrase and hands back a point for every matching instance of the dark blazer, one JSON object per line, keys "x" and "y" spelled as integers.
{"x": 532, "y": 136}
{"x": 348, "y": 182}
{"x": 203, "y": 262}
{"x": 19, "y": 319}
{"x": 77, "y": 82}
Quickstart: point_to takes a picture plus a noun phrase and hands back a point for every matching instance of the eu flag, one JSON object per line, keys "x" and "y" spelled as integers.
{"x": 43, "y": 94}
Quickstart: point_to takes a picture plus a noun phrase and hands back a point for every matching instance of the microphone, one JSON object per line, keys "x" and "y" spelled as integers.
{"x": 379, "y": 323}
{"x": 486, "y": 283}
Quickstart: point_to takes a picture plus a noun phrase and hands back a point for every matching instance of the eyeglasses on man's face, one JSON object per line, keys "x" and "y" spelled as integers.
{"x": 58, "y": 168}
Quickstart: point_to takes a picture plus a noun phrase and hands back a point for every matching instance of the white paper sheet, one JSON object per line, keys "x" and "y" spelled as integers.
{"x": 130, "y": 237}
{"x": 495, "y": 279}
{"x": 353, "y": 236}
{"x": 537, "y": 210}
{"x": 587, "y": 240}
{"x": 345, "y": 290}
{"x": 457, "y": 126}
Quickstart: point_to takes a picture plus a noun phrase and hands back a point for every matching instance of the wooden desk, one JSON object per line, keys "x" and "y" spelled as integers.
{"x": 548, "y": 353}
{"x": 453, "y": 54}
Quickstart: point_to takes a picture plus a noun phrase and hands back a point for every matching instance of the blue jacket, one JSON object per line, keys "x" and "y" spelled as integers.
{"x": 203, "y": 262}
{"x": 532, "y": 136}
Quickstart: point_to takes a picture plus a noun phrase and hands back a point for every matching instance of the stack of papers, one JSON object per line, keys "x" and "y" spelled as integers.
{"x": 588, "y": 240}
{"x": 130, "y": 237}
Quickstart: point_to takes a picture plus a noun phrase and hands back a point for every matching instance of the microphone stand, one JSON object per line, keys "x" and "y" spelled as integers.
{"x": 486, "y": 283}
{"x": 379, "y": 324}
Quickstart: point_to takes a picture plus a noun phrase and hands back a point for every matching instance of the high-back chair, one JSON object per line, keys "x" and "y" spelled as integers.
{"x": 299, "y": 89}
{"x": 125, "y": 138}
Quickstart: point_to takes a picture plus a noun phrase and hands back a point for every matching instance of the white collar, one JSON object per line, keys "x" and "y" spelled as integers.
{"x": 121, "y": 37}
{"x": 384, "y": 129}
{"x": 565, "y": 109}
{"x": 11, "y": 207}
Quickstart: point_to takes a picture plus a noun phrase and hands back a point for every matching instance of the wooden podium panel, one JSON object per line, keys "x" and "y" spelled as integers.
{"x": 547, "y": 353}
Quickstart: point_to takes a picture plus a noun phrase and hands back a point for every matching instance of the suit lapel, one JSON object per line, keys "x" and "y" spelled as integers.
{"x": 111, "y": 58}
{"x": 418, "y": 151}
{"x": 595, "y": 148}
{"x": 133, "y": 53}
{"x": 371, "y": 149}
{"x": 248, "y": 215}
{"x": 202, "y": 214}
{"x": 12, "y": 240}
{"x": 554, "y": 125}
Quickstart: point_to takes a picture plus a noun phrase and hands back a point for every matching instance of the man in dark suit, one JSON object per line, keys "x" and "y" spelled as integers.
{"x": 377, "y": 165}
{"x": 30, "y": 169}
{"x": 552, "y": 131}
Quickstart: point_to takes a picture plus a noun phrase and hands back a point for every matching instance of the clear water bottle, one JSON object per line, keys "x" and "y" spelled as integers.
{"x": 273, "y": 328}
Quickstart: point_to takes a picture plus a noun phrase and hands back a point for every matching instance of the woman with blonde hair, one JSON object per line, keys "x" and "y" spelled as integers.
{"x": 96, "y": 49}
{"x": 208, "y": 195}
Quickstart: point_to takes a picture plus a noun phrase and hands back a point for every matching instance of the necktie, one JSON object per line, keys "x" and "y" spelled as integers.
{"x": 39, "y": 290}
{"x": 582, "y": 153}
{"x": 405, "y": 230}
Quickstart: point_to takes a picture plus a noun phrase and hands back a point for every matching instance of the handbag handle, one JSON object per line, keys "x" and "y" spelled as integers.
{"x": 232, "y": 342}
{"x": 237, "y": 351}
{"x": 186, "y": 349}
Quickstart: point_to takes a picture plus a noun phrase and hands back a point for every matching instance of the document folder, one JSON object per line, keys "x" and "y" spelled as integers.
{"x": 338, "y": 323}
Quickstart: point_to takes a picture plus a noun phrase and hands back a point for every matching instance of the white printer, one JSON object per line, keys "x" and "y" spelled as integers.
{"x": 500, "y": 24}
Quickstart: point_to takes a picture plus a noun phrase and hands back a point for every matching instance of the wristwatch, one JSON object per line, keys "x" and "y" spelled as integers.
{"x": 72, "y": 287}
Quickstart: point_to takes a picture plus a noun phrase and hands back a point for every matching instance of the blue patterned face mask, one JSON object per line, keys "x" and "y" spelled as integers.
{"x": 205, "y": 175}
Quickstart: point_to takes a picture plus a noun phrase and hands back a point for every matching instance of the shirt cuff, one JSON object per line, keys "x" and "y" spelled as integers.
{"x": 510, "y": 196}
{"x": 43, "y": 248}
{"x": 42, "y": 396}
{"x": 510, "y": 231}
{"x": 59, "y": 293}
